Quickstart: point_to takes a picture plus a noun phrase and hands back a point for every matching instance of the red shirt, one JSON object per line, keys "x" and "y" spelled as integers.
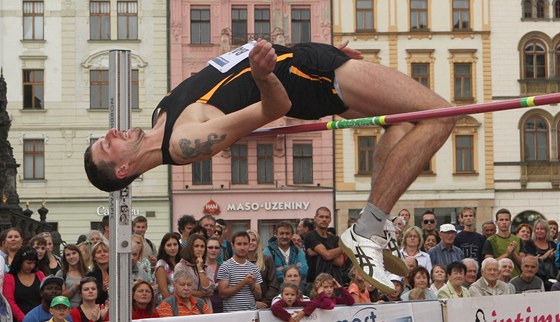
{"x": 143, "y": 314}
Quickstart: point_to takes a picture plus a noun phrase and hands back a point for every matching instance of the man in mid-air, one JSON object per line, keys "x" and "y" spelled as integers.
{"x": 214, "y": 108}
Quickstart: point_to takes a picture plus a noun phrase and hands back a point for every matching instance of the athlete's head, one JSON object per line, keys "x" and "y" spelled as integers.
{"x": 107, "y": 161}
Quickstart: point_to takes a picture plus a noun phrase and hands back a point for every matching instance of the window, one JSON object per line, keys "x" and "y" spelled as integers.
{"x": 557, "y": 9}
{"x": 364, "y": 15}
{"x": 558, "y": 138}
{"x": 127, "y": 19}
{"x": 461, "y": 14}
{"x": 301, "y": 25}
{"x": 535, "y": 60}
{"x": 303, "y": 163}
{"x": 464, "y": 154}
{"x": 541, "y": 9}
{"x": 535, "y": 134}
{"x": 200, "y": 26}
{"x": 464, "y": 138}
{"x": 33, "y": 20}
{"x": 33, "y": 159}
{"x": 134, "y": 89}
{"x": 262, "y": 23}
{"x": 265, "y": 163}
{"x": 427, "y": 169}
{"x": 239, "y": 164}
{"x": 202, "y": 172}
{"x": 421, "y": 73}
{"x": 366, "y": 147}
{"x": 418, "y": 15}
{"x": 99, "y": 20}
{"x": 463, "y": 81}
{"x": 239, "y": 26}
{"x": 527, "y": 9}
{"x": 33, "y": 89}
{"x": 558, "y": 61}
{"x": 99, "y": 89}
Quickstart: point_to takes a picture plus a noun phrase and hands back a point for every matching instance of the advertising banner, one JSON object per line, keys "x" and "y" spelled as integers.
{"x": 390, "y": 312}
{"x": 528, "y": 307}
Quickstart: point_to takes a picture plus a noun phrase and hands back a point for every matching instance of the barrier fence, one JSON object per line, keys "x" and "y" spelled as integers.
{"x": 530, "y": 307}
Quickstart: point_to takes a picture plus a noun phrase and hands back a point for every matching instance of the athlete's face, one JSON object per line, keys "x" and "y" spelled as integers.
{"x": 117, "y": 147}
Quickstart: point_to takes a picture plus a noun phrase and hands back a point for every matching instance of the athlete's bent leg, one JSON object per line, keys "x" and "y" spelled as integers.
{"x": 370, "y": 90}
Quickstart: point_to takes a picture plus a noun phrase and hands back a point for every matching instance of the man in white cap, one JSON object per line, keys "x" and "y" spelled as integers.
{"x": 445, "y": 253}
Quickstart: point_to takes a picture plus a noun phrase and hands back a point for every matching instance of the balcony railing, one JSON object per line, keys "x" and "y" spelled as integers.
{"x": 540, "y": 171}
{"x": 531, "y": 87}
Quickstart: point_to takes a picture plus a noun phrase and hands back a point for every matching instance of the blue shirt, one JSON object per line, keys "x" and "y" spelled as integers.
{"x": 38, "y": 314}
{"x": 441, "y": 255}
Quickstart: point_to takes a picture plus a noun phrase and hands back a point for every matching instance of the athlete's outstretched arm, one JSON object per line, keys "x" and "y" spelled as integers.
{"x": 275, "y": 100}
{"x": 198, "y": 141}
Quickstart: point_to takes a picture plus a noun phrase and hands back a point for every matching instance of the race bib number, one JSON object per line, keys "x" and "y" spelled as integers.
{"x": 226, "y": 61}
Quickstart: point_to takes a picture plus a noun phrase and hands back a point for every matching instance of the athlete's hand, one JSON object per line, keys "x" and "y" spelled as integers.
{"x": 263, "y": 59}
{"x": 352, "y": 53}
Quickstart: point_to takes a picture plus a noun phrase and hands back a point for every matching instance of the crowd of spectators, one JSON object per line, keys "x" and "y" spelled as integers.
{"x": 199, "y": 271}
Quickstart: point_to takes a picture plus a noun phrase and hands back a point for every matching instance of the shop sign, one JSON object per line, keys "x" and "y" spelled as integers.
{"x": 104, "y": 211}
{"x": 212, "y": 208}
{"x": 268, "y": 206}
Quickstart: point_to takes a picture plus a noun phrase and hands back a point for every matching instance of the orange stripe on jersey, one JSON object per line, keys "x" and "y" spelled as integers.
{"x": 248, "y": 69}
{"x": 204, "y": 99}
{"x": 285, "y": 56}
{"x": 294, "y": 70}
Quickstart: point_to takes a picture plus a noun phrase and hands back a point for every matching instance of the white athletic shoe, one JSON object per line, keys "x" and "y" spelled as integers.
{"x": 366, "y": 255}
{"x": 392, "y": 257}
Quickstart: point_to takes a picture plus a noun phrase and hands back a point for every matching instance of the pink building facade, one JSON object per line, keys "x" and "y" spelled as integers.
{"x": 259, "y": 181}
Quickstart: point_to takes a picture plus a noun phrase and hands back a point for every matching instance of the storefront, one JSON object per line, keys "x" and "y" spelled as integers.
{"x": 259, "y": 210}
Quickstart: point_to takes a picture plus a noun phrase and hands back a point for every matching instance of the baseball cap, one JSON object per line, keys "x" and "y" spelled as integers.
{"x": 445, "y": 228}
{"x": 60, "y": 300}
{"x": 396, "y": 278}
{"x": 51, "y": 279}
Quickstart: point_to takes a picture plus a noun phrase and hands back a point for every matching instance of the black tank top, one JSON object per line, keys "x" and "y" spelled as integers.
{"x": 312, "y": 96}
{"x": 27, "y": 297}
{"x": 199, "y": 86}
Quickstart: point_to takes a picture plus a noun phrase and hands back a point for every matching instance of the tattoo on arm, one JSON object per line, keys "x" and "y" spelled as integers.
{"x": 191, "y": 150}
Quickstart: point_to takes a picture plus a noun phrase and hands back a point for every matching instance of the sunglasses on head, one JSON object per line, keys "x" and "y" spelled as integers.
{"x": 429, "y": 221}
{"x": 28, "y": 253}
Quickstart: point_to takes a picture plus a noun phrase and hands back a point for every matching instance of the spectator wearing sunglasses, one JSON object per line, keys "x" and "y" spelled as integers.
{"x": 22, "y": 283}
{"x": 429, "y": 224}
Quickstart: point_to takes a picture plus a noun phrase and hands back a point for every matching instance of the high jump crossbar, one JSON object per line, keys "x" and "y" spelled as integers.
{"x": 412, "y": 116}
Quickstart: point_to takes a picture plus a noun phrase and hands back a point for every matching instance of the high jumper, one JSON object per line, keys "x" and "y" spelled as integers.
{"x": 228, "y": 100}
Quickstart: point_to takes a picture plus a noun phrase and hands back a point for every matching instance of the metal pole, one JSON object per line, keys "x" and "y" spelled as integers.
{"x": 120, "y": 308}
{"x": 412, "y": 116}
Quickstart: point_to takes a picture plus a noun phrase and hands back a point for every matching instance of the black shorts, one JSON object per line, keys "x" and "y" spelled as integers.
{"x": 305, "y": 70}
{"x": 310, "y": 82}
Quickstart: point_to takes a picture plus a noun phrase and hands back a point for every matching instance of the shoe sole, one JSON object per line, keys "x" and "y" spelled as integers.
{"x": 394, "y": 264}
{"x": 380, "y": 286}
